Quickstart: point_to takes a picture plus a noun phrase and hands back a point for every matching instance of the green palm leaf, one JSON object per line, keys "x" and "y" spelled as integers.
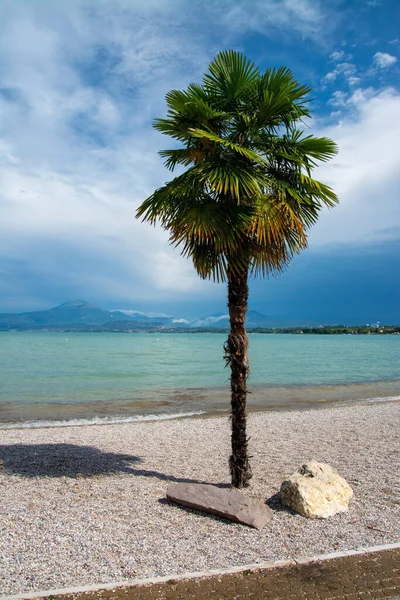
{"x": 230, "y": 75}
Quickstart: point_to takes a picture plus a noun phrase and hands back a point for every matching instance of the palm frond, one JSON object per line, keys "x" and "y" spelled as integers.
{"x": 321, "y": 149}
{"x": 177, "y": 156}
{"x": 228, "y": 144}
{"x": 229, "y": 177}
{"x": 247, "y": 196}
{"x": 229, "y": 77}
{"x": 208, "y": 262}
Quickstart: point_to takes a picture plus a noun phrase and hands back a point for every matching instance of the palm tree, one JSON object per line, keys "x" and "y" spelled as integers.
{"x": 246, "y": 200}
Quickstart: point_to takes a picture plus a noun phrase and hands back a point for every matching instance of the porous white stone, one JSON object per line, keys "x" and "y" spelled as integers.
{"x": 316, "y": 491}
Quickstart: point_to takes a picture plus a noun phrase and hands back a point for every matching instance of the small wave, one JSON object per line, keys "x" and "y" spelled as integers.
{"x": 381, "y": 399}
{"x": 107, "y": 420}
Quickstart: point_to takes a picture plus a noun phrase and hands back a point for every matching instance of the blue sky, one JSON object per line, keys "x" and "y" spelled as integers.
{"x": 80, "y": 84}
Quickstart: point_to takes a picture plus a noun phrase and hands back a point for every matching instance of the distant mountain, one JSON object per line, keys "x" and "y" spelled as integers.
{"x": 72, "y": 312}
{"x": 257, "y": 319}
{"x": 81, "y": 314}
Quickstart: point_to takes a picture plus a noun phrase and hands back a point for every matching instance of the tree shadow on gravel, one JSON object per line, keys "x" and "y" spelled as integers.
{"x": 69, "y": 460}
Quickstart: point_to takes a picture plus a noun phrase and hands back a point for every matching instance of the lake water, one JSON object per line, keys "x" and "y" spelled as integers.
{"x": 69, "y": 378}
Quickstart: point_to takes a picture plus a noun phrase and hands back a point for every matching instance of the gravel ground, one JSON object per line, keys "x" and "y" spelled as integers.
{"x": 85, "y": 505}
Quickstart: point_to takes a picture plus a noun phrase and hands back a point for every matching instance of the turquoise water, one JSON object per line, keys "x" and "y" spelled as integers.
{"x": 59, "y": 376}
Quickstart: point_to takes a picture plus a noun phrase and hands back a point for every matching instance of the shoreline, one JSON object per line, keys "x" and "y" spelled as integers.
{"x": 114, "y": 421}
{"x": 166, "y": 404}
{"x": 86, "y": 505}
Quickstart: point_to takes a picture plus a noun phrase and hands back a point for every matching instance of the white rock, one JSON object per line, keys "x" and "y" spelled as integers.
{"x": 316, "y": 491}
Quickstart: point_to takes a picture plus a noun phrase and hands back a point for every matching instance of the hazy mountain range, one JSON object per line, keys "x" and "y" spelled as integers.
{"x": 81, "y": 315}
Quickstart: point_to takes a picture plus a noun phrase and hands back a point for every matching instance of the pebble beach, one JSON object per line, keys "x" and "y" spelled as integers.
{"x": 86, "y": 505}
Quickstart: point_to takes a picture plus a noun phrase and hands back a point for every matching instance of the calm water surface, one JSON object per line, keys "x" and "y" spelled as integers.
{"x": 99, "y": 377}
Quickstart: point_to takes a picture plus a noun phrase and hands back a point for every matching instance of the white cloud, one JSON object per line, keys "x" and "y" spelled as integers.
{"x": 338, "y": 98}
{"x": 209, "y": 321}
{"x": 340, "y": 55}
{"x": 138, "y": 313}
{"x": 330, "y": 77}
{"x": 366, "y": 172}
{"x": 382, "y": 60}
{"x": 346, "y": 70}
{"x": 351, "y": 101}
{"x": 353, "y": 81}
{"x": 272, "y": 17}
{"x": 361, "y": 95}
{"x": 79, "y": 154}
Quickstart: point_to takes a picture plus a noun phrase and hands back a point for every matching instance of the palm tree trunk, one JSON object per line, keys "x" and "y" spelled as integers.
{"x": 236, "y": 355}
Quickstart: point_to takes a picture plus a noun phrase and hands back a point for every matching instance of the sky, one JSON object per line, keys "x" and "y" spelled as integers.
{"x": 80, "y": 84}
